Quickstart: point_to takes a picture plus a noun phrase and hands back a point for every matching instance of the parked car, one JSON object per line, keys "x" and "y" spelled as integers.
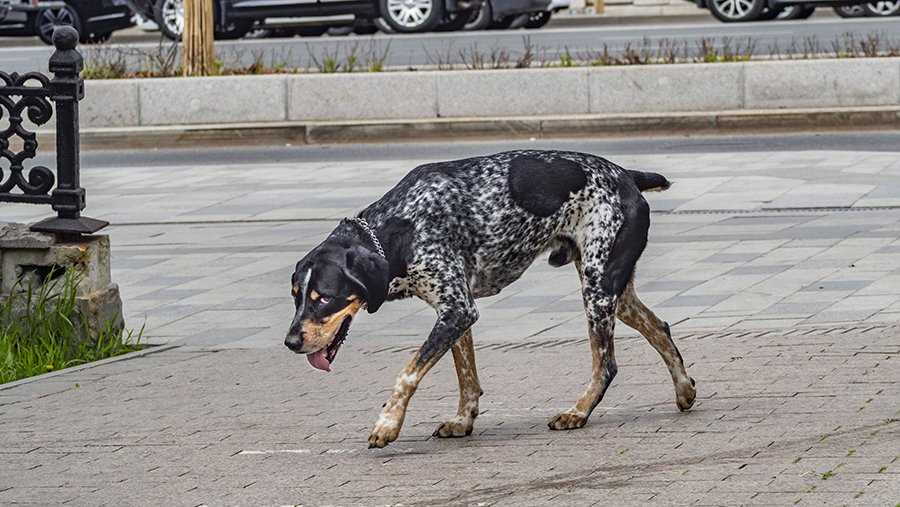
{"x": 730, "y": 11}
{"x": 234, "y": 18}
{"x": 95, "y": 20}
{"x": 169, "y": 17}
{"x": 502, "y": 14}
{"x": 883, "y": 8}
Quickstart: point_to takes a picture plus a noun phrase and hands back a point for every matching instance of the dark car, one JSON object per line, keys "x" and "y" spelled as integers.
{"x": 730, "y": 11}
{"x": 95, "y": 20}
{"x": 234, "y": 18}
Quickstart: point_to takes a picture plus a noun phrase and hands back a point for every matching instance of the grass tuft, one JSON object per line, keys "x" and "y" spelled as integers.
{"x": 41, "y": 330}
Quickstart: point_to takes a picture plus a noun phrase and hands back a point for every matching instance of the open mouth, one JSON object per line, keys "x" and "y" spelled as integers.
{"x": 323, "y": 358}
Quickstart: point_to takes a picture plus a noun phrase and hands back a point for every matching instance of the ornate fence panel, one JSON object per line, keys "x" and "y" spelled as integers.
{"x": 29, "y": 96}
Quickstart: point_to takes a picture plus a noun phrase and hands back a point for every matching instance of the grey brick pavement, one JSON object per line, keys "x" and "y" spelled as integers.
{"x": 784, "y": 315}
{"x": 203, "y": 255}
{"x": 808, "y": 417}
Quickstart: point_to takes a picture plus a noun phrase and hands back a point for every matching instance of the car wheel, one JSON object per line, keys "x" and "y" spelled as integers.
{"x": 410, "y": 16}
{"x": 169, "y": 15}
{"x": 849, "y": 11}
{"x": 796, "y": 12}
{"x": 734, "y": 11}
{"x": 882, "y": 8}
{"x": 538, "y": 19}
{"x": 382, "y": 26}
{"x": 47, "y": 20}
{"x": 482, "y": 19}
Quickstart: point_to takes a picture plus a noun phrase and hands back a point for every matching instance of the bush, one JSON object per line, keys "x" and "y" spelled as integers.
{"x": 41, "y": 331}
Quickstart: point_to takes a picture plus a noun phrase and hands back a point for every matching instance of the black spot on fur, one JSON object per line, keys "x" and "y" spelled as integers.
{"x": 541, "y": 186}
{"x": 631, "y": 239}
{"x": 396, "y": 235}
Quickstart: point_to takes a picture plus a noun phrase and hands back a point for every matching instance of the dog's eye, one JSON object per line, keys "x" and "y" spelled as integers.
{"x": 324, "y": 300}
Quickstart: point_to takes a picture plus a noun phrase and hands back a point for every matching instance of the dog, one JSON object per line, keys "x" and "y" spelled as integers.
{"x": 451, "y": 232}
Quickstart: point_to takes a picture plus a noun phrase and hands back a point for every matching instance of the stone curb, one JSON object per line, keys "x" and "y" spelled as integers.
{"x": 489, "y": 94}
{"x": 300, "y": 132}
{"x": 65, "y": 371}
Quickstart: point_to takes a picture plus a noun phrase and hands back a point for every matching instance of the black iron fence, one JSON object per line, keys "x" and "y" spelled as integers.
{"x": 30, "y": 95}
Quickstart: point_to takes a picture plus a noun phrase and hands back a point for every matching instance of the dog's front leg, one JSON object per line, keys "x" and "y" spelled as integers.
{"x": 450, "y": 326}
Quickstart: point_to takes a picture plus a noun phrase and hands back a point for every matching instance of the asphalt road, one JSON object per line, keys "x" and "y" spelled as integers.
{"x": 582, "y": 42}
{"x": 865, "y": 141}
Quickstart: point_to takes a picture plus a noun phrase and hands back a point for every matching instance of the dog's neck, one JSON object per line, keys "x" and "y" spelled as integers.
{"x": 392, "y": 235}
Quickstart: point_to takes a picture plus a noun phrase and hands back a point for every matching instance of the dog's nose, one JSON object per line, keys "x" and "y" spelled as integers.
{"x": 294, "y": 342}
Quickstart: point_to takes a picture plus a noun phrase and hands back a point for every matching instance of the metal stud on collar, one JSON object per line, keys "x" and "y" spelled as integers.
{"x": 365, "y": 226}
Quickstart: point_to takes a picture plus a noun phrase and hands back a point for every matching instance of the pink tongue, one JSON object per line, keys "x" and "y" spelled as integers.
{"x": 319, "y": 361}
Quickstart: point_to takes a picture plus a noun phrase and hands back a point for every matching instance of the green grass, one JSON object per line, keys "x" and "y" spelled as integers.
{"x": 39, "y": 332}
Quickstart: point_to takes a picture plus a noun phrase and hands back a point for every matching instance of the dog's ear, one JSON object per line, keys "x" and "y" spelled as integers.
{"x": 369, "y": 272}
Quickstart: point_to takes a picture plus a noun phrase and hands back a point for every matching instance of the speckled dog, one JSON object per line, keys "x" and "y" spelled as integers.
{"x": 452, "y": 232}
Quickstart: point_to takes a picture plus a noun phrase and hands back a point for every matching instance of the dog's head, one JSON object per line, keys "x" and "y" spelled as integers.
{"x": 329, "y": 286}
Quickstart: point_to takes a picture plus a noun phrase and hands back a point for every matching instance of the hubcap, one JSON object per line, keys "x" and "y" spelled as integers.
{"x": 852, "y": 10}
{"x": 885, "y": 8}
{"x": 173, "y": 15}
{"x": 734, "y": 9}
{"x": 409, "y": 13}
{"x": 50, "y": 19}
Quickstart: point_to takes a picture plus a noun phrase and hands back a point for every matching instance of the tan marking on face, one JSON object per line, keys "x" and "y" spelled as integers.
{"x": 314, "y": 295}
{"x": 318, "y": 335}
{"x": 295, "y": 290}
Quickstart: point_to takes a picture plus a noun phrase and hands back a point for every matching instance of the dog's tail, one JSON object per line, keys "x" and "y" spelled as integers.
{"x": 649, "y": 182}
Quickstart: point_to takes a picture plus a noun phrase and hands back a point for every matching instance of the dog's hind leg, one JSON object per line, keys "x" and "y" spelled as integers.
{"x": 610, "y": 245}
{"x": 601, "y": 323}
{"x": 469, "y": 390}
{"x": 634, "y": 313}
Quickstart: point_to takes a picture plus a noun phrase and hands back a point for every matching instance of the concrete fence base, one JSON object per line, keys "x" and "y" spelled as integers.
{"x": 648, "y": 89}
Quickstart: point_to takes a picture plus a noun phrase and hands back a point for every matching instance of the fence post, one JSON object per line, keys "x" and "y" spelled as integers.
{"x": 68, "y": 198}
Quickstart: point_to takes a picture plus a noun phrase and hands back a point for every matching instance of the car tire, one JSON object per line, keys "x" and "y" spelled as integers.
{"x": 737, "y": 11}
{"x": 796, "y": 12}
{"x": 482, "y": 19}
{"x": 411, "y": 16}
{"x": 538, "y": 19}
{"x": 382, "y": 26}
{"x": 169, "y": 16}
{"x": 46, "y": 20}
{"x": 849, "y": 11}
{"x": 882, "y": 8}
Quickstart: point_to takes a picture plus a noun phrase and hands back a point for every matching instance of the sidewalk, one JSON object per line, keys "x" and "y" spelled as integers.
{"x": 779, "y": 272}
{"x": 807, "y": 418}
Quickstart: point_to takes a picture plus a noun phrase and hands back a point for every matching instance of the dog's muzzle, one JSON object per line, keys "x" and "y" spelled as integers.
{"x": 294, "y": 342}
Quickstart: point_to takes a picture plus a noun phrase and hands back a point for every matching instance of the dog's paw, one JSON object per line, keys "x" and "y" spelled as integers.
{"x": 685, "y": 395}
{"x": 456, "y": 427}
{"x": 384, "y": 433}
{"x": 567, "y": 421}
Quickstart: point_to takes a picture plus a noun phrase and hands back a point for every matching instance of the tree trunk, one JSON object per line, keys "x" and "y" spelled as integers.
{"x": 197, "y": 56}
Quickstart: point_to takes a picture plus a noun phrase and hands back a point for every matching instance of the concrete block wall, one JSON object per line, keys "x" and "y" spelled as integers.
{"x": 645, "y": 89}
